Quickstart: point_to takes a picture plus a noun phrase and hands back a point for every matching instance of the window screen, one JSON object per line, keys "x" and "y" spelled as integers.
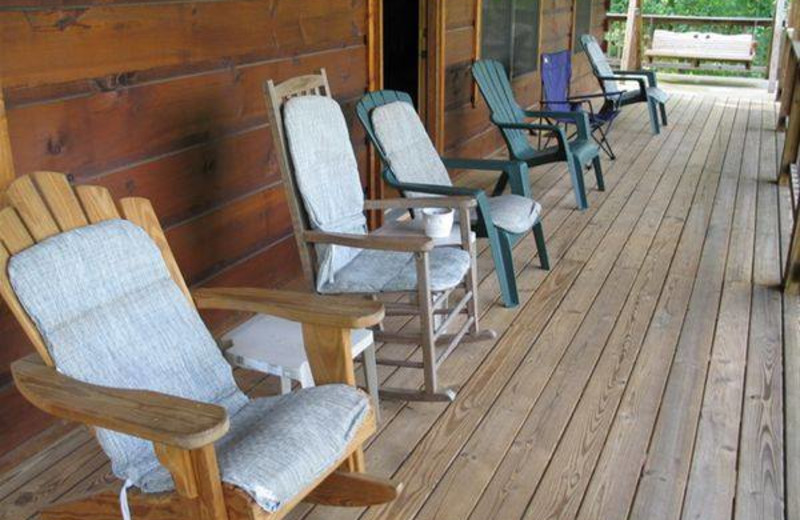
{"x": 510, "y": 34}
{"x": 583, "y": 23}
{"x": 526, "y": 36}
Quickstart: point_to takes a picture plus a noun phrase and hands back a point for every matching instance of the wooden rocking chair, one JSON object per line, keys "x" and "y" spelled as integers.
{"x": 43, "y": 210}
{"x": 429, "y": 275}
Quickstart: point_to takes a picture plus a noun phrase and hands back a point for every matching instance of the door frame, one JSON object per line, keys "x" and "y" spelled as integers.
{"x": 433, "y": 20}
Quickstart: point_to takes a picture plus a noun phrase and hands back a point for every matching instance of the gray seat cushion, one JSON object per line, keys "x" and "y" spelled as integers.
{"x": 514, "y": 213}
{"x": 110, "y": 314}
{"x": 406, "y": 144}
{"x": 385, "y": 271}
{"x": 278, "y": 445}
{"x": 326, "y": 173}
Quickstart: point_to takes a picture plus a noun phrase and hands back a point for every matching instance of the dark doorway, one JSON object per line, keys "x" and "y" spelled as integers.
{"x": 401, "y": 46}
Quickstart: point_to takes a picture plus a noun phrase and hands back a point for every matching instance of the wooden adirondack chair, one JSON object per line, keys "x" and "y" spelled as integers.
{"x": 371, "y": 251}
{"x": 42, "y": 207}
{"x": 511, "y": 119}
{"x": 515, "y": 173}
{"x": 648, "y": 91}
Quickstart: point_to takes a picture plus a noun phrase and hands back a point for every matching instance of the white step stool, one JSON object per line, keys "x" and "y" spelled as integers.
{"x": 275, "y": 346}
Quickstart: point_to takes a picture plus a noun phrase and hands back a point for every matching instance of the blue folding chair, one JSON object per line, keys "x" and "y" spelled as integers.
{"x": 556, "y": 77}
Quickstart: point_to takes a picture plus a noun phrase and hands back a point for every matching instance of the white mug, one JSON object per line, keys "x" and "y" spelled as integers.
{"x": 438, "y": 222}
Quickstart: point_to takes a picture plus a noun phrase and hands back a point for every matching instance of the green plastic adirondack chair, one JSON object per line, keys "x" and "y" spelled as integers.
{"x": 648, "y": 91}
{"x": 511, "y": 119}
{"x": 513, "y": 173}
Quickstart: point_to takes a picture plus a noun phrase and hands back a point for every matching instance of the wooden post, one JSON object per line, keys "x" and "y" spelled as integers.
{"x": 791, "y": 275}
{"x": 631, "y": 54}
{"x": 477, "y": 42}
{"x": 6, "y": 159}
{"x": 434, "y": 113}
{"x": 778, "y": 20}
{"x": 374, "y": 82}
{"x": 792, "y": 139}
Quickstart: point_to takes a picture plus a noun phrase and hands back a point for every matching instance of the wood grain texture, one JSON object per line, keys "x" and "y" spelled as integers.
{"x": 329, "y": 311}
{"x": 166, "y": 419}
{"x": 168, "y": 35}
{"x": 639, "y": 248}
{"x": 6, "y": 158}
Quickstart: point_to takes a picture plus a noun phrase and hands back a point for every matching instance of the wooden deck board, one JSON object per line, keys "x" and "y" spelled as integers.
{"x": 642, "y": 377}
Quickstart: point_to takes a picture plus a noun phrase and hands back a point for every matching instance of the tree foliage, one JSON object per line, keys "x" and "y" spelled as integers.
{"x": 721, "y": 8}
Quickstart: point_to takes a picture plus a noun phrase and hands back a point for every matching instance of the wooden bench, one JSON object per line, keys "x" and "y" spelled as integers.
{"x": 697, "y": 47}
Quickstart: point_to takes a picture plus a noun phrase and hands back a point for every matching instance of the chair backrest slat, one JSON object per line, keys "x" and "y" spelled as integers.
{"x": 496, "y": 90}
{"x": 61, "y": 200}
{"x": 23, "y": 196}
{"x": 97, "y": 202}
{"x": 13, "y": 234}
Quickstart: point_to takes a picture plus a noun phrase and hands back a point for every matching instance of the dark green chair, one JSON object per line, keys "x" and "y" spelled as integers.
{"x": 647, "y": 91}
{"x": 511, "y": 119}
{"x": 412, "y": 166}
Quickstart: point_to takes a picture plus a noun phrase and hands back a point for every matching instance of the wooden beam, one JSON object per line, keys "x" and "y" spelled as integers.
{"x": 434, "y": 113}
{"x": 374, "y": 82}
{"x": 775, "y": 47}
{"x": 477, "y": 40}
{"x": 6, "y": 159}
{"x": 631, "y": 52}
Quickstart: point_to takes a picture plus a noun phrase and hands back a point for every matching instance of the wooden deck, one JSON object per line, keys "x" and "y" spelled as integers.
{"x": 641, "y": 377}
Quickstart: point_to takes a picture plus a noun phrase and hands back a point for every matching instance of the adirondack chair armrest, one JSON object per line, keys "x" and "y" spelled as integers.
{"x": 557, "y": 130}
{"x": 454, "y": 202}
{"x": 650, "y": 75}
{"x": 436, "y": 189}
{"x": 409, "y": 244}
{"x": 313, "y": 309}
{"x": 490, "y": 165}
{"x": 156, "y": 417}
{"x": 617, "y": 76}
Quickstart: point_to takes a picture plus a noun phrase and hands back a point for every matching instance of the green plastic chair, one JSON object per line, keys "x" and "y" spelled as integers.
{"x": 507, "y": 115}
{"x": 648, "y": 91}
{"x": 513, "y": 173}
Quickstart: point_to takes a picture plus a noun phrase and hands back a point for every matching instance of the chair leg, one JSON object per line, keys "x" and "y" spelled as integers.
{"x": 654, "y": 126}
{"x": 576, "y": 172}
{"x": 504, "y": 240}
{"x": 508, "y": 284}
{"x": 603, "y": 143}
{"x": 471, "y": 282}
{"x": 541, "y": 247}
{"x": 598, "y": 173}
{"x": 428, "y": 343}
{"x": 371, "y": 378}
{"x": 663, "y": 109}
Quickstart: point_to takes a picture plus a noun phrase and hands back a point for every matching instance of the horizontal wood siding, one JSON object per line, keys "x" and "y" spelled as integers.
{"x": 163, "y": 100}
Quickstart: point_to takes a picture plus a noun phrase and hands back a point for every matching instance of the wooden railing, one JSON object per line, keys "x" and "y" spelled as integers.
{"x": 788, "y": 170}
{"x": 650, "y": 21}
{"x": 697, "y": 20}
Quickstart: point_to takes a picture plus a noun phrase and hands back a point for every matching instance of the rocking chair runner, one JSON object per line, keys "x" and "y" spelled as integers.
{"x": 510, "y": 118}
{"x": 122, "y": 349}
{"x": 556, "y": 80}
{"x": 412, "y": 166}
{"x": 323, "y": 188}
{"x": 648, "y": 91}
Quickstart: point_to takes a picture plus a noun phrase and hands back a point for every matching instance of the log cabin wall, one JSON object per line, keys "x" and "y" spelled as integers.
{"x": 162, "y": 99}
